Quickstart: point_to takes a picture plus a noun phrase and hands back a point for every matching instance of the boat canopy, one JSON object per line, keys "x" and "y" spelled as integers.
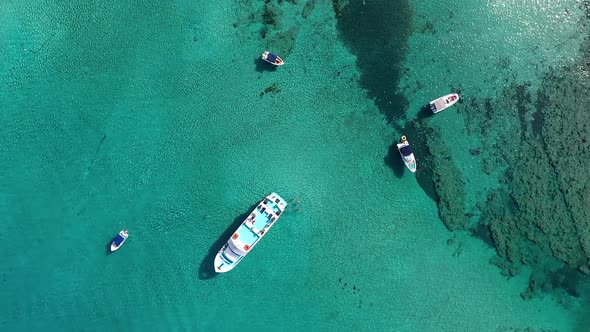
{"x": 118, "y": 240}
{"x": 439, "y": 104}
{"x": 271, "y": 57}
{"x": 406, "y": 150}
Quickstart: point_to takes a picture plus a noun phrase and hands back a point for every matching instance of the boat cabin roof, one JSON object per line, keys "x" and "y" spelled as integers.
{"x": 439, "y": 104}
{"x": 406, "y": 150}
{"x": 271, "y": 57}
{"x": 118, "y": 240}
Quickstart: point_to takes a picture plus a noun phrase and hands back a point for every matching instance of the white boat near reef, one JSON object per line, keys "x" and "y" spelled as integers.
{"x": 405, "y": 150}
{"x": 443, "y": 102}
{"x": 272, "y": 58}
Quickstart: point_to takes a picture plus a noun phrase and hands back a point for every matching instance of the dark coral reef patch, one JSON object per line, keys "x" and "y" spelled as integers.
{"x": 277, "y": 27}
{"x": 448, "y": 182}
{"x": 540, "y": 215}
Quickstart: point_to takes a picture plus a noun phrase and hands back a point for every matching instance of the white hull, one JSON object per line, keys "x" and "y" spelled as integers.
{"x": 249, "y": 233}
{"x": 124, "y": 235}
{"x": 220, "y": 266}
{"x": 277, "y": 62}
{"x": 409, "y": 160}
{"x": 443, "y": 102}
{"x": 410, "y": 164}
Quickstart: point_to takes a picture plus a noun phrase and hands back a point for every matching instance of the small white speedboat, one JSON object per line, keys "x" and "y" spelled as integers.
{"x": 119, "y": 240}
{"x": 272, "y": 58}
{"x": 443, "y": 102}
{"x": 405, "y": 150}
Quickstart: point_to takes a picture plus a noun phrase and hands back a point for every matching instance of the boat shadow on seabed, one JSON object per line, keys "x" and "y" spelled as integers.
{"x": 108, "y": 247}
{"x": 424, "y": 112}
{"x": 262, "y": 66}
{"x": 206, "y": 269}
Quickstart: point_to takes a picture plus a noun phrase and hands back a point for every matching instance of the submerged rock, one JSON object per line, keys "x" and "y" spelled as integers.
{"x": 540, "y": 215}
{"x": 449, "y": 184}
{"x": 284, "y": 42}
{"x": 309, "y": 6}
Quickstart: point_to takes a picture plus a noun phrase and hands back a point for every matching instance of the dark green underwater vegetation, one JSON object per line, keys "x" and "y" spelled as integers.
{"x": 540, "y": 214}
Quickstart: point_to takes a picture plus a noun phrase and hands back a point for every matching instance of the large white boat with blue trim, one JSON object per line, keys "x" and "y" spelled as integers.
{"x": 249, "y": 233}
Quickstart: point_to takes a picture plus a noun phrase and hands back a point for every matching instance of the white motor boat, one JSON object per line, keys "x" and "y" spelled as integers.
{"x": 405, "y": 150}
{"x": 443, "y": 102}
{"x": 119, "y": 240}
{"x": 272, "y": 58}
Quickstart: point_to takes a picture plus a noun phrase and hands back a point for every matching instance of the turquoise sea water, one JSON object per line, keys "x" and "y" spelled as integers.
{"x": 157, "y": 117}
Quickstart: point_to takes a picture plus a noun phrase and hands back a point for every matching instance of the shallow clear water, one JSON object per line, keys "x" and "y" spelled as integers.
{"x": 158, "y": 118}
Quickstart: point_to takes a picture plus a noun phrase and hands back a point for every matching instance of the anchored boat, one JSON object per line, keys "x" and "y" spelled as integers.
{"x": 443, "y": 102}
{"x": 272, "y": 58}
{"x": 405, "y": 150}
{"x": 249, "y": 233}
{"x": 119, "y": 240}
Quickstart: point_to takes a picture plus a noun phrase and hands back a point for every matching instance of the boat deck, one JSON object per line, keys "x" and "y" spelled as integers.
{"x": 258, "y": 221}
{"x": 439, "y": 104}
{"x": 247, "y": 234}
{"x": 250, "y": 232}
